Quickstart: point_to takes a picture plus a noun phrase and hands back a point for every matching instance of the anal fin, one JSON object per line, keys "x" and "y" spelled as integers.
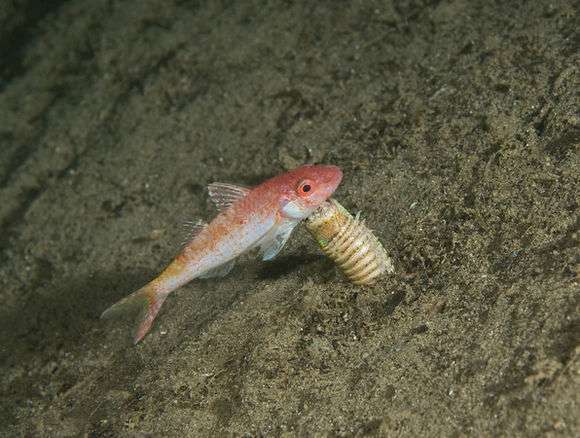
{"x": 220, "y": 271}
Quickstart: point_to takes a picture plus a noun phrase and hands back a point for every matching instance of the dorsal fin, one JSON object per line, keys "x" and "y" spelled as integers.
{"x": 192, "y": 229}
{"x": 225, "y": 195}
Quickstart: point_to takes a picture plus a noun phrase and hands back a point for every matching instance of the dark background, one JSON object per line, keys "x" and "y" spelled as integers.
{"x": 456, "y": 124}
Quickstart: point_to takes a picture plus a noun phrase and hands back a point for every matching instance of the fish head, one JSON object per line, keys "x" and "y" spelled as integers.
{"x": 307, "y": 187}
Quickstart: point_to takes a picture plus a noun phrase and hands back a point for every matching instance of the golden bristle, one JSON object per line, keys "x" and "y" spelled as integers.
{"x": 349, "y": 243}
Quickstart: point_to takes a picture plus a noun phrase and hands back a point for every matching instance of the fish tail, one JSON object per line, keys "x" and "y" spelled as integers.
{"x": 149, "y": 299}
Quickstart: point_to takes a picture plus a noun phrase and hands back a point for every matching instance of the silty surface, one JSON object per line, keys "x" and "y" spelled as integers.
{"x": 456, "y": 125}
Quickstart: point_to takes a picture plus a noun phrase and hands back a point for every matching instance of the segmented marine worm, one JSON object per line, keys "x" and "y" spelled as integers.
{"x": 349, "y": 243}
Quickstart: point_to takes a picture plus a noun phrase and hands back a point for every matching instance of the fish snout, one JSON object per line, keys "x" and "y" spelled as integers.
{"x": 331, "y": 177}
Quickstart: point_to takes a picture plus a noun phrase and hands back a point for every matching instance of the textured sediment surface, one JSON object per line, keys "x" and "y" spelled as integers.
{"x": 456, "y": 124}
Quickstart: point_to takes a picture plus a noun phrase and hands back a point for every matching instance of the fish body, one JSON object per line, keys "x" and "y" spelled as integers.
{"x": 263, "y": 216}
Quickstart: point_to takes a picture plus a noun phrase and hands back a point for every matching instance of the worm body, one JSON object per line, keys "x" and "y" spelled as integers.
{"x": 349, "y": 243}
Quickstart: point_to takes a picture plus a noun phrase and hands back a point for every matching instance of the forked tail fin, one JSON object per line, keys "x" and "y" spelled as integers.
{"x": 148, "y": 299}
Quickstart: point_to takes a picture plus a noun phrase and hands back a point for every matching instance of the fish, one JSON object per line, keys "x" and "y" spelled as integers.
{"x": 260, "y": 217}
{"x": 349, "y": 243}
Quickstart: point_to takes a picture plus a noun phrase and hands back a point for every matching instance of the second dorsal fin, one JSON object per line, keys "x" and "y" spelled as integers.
{"x": 192, "y": 229}
{"x": 225, "y": 195}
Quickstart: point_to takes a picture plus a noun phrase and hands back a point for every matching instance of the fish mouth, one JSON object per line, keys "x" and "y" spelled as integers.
{"x": 322, "y": 213}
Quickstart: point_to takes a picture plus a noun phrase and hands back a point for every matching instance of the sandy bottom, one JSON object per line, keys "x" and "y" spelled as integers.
{"x": 457, "y": 126}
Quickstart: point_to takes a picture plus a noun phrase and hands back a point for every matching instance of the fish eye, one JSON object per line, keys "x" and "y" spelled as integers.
{"x": 304, "y": 187}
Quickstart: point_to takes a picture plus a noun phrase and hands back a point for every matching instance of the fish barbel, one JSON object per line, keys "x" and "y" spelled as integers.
{"x": 263, "y": 216}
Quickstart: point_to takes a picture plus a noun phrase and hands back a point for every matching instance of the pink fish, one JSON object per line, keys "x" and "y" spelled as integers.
{"x": 263, "y": 216}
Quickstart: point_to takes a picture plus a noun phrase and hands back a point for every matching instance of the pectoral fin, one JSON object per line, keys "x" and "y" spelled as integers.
{"x": 273, "y": 242}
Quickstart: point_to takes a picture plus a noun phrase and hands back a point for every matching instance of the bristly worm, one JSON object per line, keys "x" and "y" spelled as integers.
{"x": 349, "y": 243}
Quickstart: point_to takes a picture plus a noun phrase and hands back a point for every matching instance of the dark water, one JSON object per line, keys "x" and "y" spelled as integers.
{"x": 457, "y": 126}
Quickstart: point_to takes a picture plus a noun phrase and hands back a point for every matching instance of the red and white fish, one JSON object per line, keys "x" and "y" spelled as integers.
{"x": 263, "y": 216}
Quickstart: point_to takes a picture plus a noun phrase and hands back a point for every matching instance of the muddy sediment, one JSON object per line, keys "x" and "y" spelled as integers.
{"x": 457, "y": 127}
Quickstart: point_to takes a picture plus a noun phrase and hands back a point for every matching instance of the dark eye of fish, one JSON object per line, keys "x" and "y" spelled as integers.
{"x": 306, "y": 188}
